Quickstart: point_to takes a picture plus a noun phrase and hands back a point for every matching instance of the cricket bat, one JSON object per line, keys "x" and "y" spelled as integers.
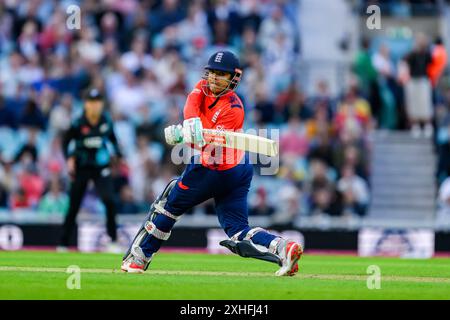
{"x": 241, "y": 141}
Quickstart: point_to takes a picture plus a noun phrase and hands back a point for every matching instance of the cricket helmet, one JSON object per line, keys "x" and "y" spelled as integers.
{"x": 224, "y": 61}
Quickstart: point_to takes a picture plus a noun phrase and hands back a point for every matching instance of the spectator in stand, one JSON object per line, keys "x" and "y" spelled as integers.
{"x": 32, "y": 70}
{"x": 28, "y": 152}
{"x": 46, "y": 100}
{"x": 293, "y": 140}
{"x": 264, "y": 110}
{"x": 319, "y": 124}
{"x": 351, "y": 153}
{"x": 32, "y": 116}
{"x": 322, "y": 99}
{"x": 51, "y": 159}
{"x": 259, "y": 204}
{"x": 56, "y": 37}
{"x": 277, "y": 25}
{"x": 19, "y": 200}
{"x": 418, "y": 88}
{"x": 32, "y": 185}
{"x": 55, "y": 201}
{"x": 324, "y": 198}
{"x": 127, "y": 204}
{"x": 438, "y": 63}
{"x": 137, "y": 58}
{"x": 321, "y": 149}
{"x": 10, "y": 76}
{"x": 292, "y": 103}
{"x": 128, "y": 97}
{"x": 194, "y": 27}
{"x": 7, "y": 116}
{"x": 3, "y": 198}
{"x": 168, "y": 13}
{"x": 4, "y": 194}
{"x": 287, "y": 213}
{"x": 443, "y": 137}
{"x": 139, "y": 161}
{"x": 148, "y": 125}
{"x": 383, "y": 64}
{"x": 443, "y": 214}
{"x": 29, "y": 39}
{"x": 248, "y": 45}
{"x": 278, "y": 59}
{"x": 61, "y": 114}
{"x": 355, "y": 192}
{"x": 353, "y": 114}
{"x": 367, "y": 76}
{"x": 88, "y": 48}
{"x": 111, "y": 26}
{"x": 8, "y": 179}
{"x": 224, "y": 21}
{"x": 251, "y": 17}
{"x": 254, "y": 80}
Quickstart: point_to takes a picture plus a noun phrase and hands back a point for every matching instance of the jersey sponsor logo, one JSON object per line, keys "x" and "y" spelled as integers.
{"x": 104, "y": 127}
{"x": 214, "y": 118}
{"x": 218, "y": 57}
{"x": 182, "y": 186}
{"x": 218, "y": 139}
{"x": 93, "y": 142}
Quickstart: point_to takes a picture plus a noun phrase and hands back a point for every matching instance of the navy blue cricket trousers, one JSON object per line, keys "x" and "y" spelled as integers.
{"x": 228, "y": 188}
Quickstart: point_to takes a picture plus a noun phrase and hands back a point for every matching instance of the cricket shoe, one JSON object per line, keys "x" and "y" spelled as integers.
{"x": 290, "y": 252}
{"x": 134, "y": 265}
{"x": 136, "y": 262}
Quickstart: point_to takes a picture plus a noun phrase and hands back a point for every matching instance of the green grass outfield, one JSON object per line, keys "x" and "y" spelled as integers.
{"x": 42, "y": 275}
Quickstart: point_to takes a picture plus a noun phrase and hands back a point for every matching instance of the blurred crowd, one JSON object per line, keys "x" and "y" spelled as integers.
{"x": 403, "y": 8}
{"x": 146, "y": 56}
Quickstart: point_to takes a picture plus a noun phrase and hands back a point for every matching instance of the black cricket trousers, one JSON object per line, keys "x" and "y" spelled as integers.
{"x": 104, "y": 187}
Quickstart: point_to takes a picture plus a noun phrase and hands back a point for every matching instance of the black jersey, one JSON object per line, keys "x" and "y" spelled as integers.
{"x": 91, "y": 142}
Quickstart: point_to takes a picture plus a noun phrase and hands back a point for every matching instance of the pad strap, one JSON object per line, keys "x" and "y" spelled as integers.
{"x": 236, "y": 236}
{"x": 249, "y": 234}
{"x": 252, "y": 232}
{"x": 154, "y": 231}
{"x": 273, "y": 246}
{"x": 163, "y": 211}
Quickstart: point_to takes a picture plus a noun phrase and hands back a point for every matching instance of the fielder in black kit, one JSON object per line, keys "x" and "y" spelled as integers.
{"x": 90, "y": 159}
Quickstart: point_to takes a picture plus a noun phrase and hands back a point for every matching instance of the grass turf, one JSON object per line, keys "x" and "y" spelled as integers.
{"x": 202, "y": 276}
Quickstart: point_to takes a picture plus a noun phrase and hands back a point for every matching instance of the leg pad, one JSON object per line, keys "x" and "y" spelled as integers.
{"x": 247, "y": 250}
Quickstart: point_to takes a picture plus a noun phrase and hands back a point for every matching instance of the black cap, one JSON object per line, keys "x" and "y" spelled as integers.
{"x": 94, "y": 94}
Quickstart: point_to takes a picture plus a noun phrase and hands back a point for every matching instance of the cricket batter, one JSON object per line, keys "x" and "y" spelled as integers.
{"x": 222, "y": 173}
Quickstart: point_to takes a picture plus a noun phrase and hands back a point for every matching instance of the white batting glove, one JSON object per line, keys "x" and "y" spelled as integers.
{"x": 174, "y": 134}
{"x": 193, "y": 131}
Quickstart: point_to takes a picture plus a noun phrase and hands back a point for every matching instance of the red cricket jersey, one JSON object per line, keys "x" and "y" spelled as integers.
{"x": 224, "y": 113}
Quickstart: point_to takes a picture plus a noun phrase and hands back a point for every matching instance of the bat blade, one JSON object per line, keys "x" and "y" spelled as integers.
{"x": 241, "y": 141}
